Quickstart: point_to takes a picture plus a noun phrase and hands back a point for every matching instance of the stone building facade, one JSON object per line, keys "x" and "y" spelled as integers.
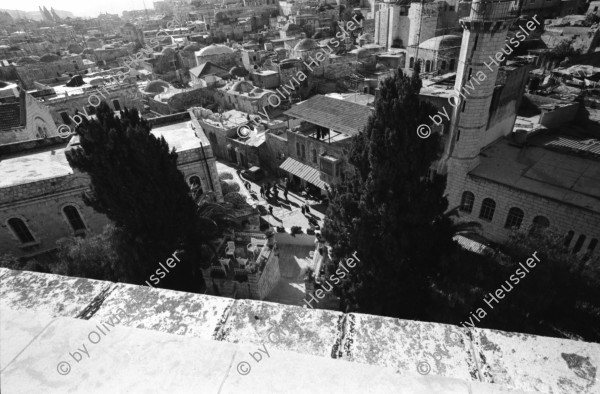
{"x": 493, "y": 175}
{"x": 41, "y": 194}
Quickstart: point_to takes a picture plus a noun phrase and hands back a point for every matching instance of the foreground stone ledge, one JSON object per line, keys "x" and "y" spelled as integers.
{"x": 32, "y": 304}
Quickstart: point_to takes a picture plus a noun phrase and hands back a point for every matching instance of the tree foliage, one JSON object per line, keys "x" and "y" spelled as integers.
{"x": 94, "y": 257}
{"x": 390, "y": 211}
{"x": 136, "y": 184}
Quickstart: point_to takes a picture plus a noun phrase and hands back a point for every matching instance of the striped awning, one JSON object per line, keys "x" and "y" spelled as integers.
{"x": 303, "y": 171}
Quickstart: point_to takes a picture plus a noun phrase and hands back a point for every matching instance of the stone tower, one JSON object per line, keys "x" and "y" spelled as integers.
{"x": 484, "y": 37}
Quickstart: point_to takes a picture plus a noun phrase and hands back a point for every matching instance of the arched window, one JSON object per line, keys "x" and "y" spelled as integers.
{"x": 514, "y": 218}
{"x": 444, "y": 65}
{"x": 569, "y": 238}
{"x": 194, "y": 180}
{"x": 452, "y": 62}
{"x": 579, "y": 243}
{"x": 21, "y": 230}
{"x": 466, "y": 202}
{"x": 592, "y": 245}
{"x": 488, "y": 207}
{"x": 541, "y": 222}
{"x": 427, "y": 66}
{"x": 411, "y": 62}
{"x": 75, "y": 220}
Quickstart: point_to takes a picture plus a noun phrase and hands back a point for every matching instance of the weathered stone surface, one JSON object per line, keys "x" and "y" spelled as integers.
{"x": 45, "y": 317}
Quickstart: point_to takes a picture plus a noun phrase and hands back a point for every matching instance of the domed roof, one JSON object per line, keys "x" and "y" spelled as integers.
{"x": 256, "y": 90}
{"x": 88, "y": 51}
{"x": 191, "y": 48}
{"x": 362, "y": 53}
{"x": 215, "y": 49}
{"x": 49, "y": 57}
{"x": 26, "y": 60}
{"x": 306, "y": 44}
{"x": 442, "y": 42}
{"x": 75, "y": 48}
{"x": 238, "y": 71}
{"x": 167, "y": 51}
{"x": 241, "y": 86}
{"x": 157, "y": 86}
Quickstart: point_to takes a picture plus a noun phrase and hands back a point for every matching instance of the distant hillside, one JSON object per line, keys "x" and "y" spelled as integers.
{"x": 35, "y": 15}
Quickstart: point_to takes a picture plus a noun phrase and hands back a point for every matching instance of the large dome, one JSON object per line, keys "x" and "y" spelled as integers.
{"x": 215, "y": 49}
{"x": 306, "y": 44}
{"x": 26, "y": 60}
{"x": 75, "y": 48}
{"x": 442, "y": 43}
{"x": 49, "y": 57}
{"x": 191, "y": 48}
{"x": 238, "y": 71}
{"x": 157, "y": 86}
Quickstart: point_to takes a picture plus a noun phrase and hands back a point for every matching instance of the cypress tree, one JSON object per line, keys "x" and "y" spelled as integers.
{"x": 135, "y": 182}
{"x": 390, "y": 210}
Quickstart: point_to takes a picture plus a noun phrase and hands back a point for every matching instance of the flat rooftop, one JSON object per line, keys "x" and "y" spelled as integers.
{"x": 32, "y": 167}
{"x": 553, "y": 168}
{"x": 181, "y": 136}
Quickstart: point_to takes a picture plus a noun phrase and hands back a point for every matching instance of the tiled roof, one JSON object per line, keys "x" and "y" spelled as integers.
{"x": 303, "y": 171}
{"x": 10, "y": 116}
{"x": 579, "y": 145}
{"x": 342, "y": 116}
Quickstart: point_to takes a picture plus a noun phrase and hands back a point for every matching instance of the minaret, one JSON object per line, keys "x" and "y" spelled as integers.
{"x": 483, "y": 37}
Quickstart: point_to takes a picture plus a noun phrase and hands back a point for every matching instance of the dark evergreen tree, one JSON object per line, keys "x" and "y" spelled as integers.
{"x": 136, "y": 183}
{"x": 391, "y": 211}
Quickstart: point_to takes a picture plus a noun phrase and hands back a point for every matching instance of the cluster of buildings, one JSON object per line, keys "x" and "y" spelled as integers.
{"x": 522, "y": 148}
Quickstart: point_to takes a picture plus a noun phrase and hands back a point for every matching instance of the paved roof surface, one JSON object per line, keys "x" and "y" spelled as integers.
{"x": 568, "y": 178}
{"x": 33, "y": 167}
{"x": 343, "y": 116}
{"x": 181, "y": 136}
{"x": 317, "y": 351}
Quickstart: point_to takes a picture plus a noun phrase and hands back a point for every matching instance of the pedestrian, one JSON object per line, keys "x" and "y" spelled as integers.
{"x": 276, "y": 193}
{"x": 303, "y": 209}
{"x": 274, "y": 187}
{"x": 271, "y": 210}
{"x": 267, "y": 189}
{"x": 262, "y": 191}
{"x": 307, "y": 209}
{"x": 285, "y": 194}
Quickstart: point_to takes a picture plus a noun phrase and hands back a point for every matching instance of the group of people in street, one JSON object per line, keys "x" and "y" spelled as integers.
{"x": 270, "y": 190}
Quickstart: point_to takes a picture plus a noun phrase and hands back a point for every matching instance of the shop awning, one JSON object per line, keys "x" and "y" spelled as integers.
{"x": 303, "y": 171}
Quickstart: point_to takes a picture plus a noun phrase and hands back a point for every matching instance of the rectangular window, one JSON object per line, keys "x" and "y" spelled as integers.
{"x": 327, "y": 167}
{"x": 116, "y": 105}
{"x": 298, "y": 149}
{"x": 303, "y": 152}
